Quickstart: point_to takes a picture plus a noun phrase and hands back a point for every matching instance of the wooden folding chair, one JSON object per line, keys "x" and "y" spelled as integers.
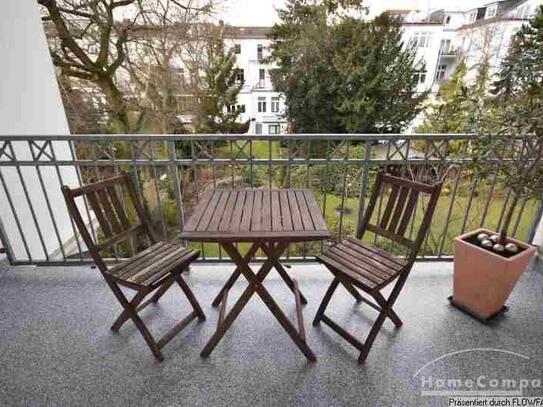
{"x": 358, "y": 264}
{"x": 156, "y": 268}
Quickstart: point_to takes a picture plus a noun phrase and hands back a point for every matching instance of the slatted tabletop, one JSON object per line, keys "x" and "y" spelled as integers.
{"x": 249, "y": 215}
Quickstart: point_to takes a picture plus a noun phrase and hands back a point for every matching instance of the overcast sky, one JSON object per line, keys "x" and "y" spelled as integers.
{"x": 262, "y": 12}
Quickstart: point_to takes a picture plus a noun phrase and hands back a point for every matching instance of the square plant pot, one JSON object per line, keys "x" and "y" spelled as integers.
{"x": 483, "y": 279}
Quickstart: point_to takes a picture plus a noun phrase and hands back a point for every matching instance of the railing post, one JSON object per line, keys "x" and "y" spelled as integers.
{"x": 177, "y": 184}
{"x": 363, "y": 187}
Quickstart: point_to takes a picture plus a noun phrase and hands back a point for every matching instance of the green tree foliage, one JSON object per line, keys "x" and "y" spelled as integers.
{"x": 341, "y": 74}
{"x": 216, "y": 112}
{"x": 513, "y": 125}
{"x": 449, "y": 114}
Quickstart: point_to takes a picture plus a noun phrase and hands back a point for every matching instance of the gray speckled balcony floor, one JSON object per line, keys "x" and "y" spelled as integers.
{"x": 56, "y": 348}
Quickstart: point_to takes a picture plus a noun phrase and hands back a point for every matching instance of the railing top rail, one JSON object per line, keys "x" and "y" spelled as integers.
{"x": 227, "y": 137}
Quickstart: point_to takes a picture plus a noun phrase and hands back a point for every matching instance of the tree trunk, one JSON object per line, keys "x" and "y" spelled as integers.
{"x": 116, "y": 102}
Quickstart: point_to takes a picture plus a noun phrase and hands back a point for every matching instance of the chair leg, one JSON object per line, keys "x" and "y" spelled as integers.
{"x": 391, "y": 314}
{"x": 161, "y": 291}
{"x": 132, "y": 314}
{"x": 386, "y": 311}
{"x": 325, "y": 301}
{"x": 190, "y": 296}
{"x": 357, "y": 296}
{"x": 372, "y": 335}
{"x": 134, "y": 302}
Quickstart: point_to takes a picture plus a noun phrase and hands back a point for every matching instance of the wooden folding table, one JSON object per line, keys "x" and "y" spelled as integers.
{"x": 270, "y": 220}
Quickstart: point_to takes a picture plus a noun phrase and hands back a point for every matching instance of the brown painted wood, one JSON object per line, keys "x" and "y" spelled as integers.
{"x": 256, "y": 215}
{"x": 155, "y": 268}
{"x": 389, "y": 207}
{"x": 314, "y": 211}
{"x": 286, "y": 214}
{"x": 406, "y": 218}
{"x": 119, "y": 210}
{"x": 398, "y": 211}
{"x": 235, "y": 221}
{"x": 246, "y": 217}
{"x": 98, "y": 211}
{"x": 370, "y": 268}
{"x": 270, "y": 219}
{"x": 109, "y": 213}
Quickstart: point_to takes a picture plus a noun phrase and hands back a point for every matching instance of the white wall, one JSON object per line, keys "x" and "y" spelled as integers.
{"x": 30, "y": 104}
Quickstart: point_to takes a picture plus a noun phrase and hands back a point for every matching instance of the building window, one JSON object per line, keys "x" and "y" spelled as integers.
{"x": 230, "y": 108}
{"x": 524, "y": 12}
{"x": 420, "y": 39}
{"x": 275, "y": 104}
{"x": 240, "y": 108}
{"x": 273, "y": 129}
{"x": 237, "y": 48}
{"x": 259, "y": 54}
{"x": 421, "y": 76}
{"x": 240, "y": 75}
{"x": 491, "y": 12}
{"x": 261, "y": 78}
{"x": 262, "y": 105}
{"x": 445, "y": 46}
{"x": 440, "y": 72}
{"x": 258, "y": 128}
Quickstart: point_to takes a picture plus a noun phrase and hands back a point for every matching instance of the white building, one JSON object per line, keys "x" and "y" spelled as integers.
{"x": 443, "y": 36}
{"x": 259, "y": 103}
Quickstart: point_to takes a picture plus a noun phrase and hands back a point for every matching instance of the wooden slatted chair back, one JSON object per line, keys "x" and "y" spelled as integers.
{"x": 109, "y": 207}
{"x": 399, "y": 211}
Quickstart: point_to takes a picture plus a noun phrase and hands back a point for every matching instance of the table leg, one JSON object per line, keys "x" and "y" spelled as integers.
{"x": 255, "y": 285}
{"x": 283, "y": 273}
{"x": 235, "y": 275}
{"x": 243, "y": 299}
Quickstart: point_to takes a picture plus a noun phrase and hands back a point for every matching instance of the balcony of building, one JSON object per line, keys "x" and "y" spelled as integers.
{"x": 56, "y": 309}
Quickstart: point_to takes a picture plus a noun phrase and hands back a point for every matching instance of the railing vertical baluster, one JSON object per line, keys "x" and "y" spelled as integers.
{"x": 251, "y": 162}
{"x": 470, "y": 200}
{"x": 30, "y": 206}
{"x": 519, "y": 216}
{"x": 343, "y": 189}
{"x": 85, "y": 202}
{"x": 488, "y": 200}
{"x": 47, "y": 201}
{"x": 269, "y": 163}
{"x": 363, "y": 185}
{"x": 158, "y": 199}
{"x": 177, "y": 184}
{"x": 535, "y": 222}
{"x": 449, "y": 212}
{"x": 15, "y": 216}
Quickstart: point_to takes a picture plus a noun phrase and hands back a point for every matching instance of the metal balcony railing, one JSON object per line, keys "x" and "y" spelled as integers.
{"x": 172, "y": 172}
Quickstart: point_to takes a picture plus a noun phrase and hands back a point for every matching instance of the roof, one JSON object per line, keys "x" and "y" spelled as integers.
{"x": 398, "y": 11}
{"x": 487, "y": 21}
{"x": 246, "y": 32}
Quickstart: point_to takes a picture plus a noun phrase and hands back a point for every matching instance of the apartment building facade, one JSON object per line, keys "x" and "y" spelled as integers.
{"x": 442, "y": 37}
{"x": 258, "y": 102}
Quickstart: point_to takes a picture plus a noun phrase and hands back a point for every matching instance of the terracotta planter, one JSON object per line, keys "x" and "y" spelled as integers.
{"x": 483, "y": 280}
